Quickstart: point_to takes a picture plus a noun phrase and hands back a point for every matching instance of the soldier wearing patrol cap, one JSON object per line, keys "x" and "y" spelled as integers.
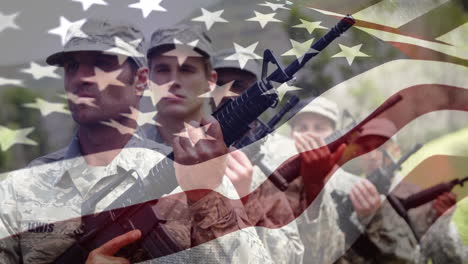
{"x": 100, "y": 60}
{"x": 230, "y": 70}
{"x": 238, "y": 80}
{"x": 382, "y": 131}
{"x": 323, "y": 239}
{"x": 283, "y": 243}
{"x": 376, "y": 132}
{"x": 104, "y": 78}
{"x": 377, "y": 219}
{"x": 180, "y": 71}
{"x": 363, "y": 231}
{"x": 179, "y": 74}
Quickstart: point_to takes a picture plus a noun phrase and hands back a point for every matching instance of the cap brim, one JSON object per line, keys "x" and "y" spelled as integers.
{"x": 236, "y": 68}
{"x": 152, "y": 50}
{"x": 375, "y": 132}
{"x": 202, "y": 52}
{"x": 56, "y": 59}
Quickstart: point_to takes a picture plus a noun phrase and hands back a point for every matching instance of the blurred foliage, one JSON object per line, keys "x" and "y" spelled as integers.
{"x": 453, "y": 144}
{"x": 315, "y": 81}
{"x": 324, "y": 71}
{"x": 15, "y": 116}
{"x": 445, "y": 158}
{"x": 459, "y": 218}
{"x": 12, "y": 100}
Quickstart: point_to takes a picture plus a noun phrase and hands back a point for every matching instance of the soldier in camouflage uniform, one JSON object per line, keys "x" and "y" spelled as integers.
{"x": 283, "y": 244}
{"x": 386, "y": 237}
{"x": 447, "y": 239}
{"x": 187, "y": 73}
{"x": 53, "y": 188}
{"x": 375, "y": 233}
{"x": 42, "y": 204}
{"x": 323, "y": 240}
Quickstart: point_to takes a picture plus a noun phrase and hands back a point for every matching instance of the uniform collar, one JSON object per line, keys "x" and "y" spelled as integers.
{"x": 152, "y": 133}
{"x": 76, "y": 167}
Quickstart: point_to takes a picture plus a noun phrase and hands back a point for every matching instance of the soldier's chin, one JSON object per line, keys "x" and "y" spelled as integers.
{"x": 175, "y": 111}
{"x": 87, "y": 118}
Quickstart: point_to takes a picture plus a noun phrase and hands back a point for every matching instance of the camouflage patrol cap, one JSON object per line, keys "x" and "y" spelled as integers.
{"x": 113, "y": 37}
{"x": 220, "y": 62}
{"x": 185, "y": 35}
{"x": 320, "y": 106}
{"x": 379, "y": 127}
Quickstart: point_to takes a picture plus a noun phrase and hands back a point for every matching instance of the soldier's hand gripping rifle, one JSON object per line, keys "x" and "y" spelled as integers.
{"x": 403, "y": 205}
{"x": 381, "y": 178}
{"x": 258, "y": 135}
{"x": 234, "y": 118}
{"x": 289, "y": 171}
{"x": 430, "y": 194}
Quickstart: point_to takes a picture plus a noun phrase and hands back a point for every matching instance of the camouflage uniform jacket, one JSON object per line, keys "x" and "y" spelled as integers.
{"x": 243, "y": 245}
{"x": 323, "y": 239}
{"x": 266, "y": 207}
{"x": 442, "y": 243}
{"x": 54, "y": 187}
{"x": 388, "y": 238}
{"x": 317, "y": 223}
{"x": 269, "y": 210}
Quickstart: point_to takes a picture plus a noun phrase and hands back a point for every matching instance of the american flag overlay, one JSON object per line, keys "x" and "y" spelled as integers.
{"x": 217, "y": 131}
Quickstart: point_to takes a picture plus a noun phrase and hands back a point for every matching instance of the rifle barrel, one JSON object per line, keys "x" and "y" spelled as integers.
{"x": 428, "y": 194}
{"x": 342, "y": 26}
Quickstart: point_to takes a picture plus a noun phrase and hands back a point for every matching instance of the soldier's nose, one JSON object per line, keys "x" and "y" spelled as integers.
{"x": 85, "y": 70}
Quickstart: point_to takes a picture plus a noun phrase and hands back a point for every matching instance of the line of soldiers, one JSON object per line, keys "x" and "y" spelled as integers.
{"x": 107, "y": 72}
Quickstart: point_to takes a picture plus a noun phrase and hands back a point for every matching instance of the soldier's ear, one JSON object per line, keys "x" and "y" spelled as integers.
{"x": 212, "y": 79}
{"x": 141, "y": 80}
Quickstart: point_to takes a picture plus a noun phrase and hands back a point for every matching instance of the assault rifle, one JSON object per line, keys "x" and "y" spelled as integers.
{"x": 381, "y": 178}
{"x": 403, "y": 205}
{"x": 290, "y": 171}
{"x": 133, "y": 211}
{"x": 258, "y": 134}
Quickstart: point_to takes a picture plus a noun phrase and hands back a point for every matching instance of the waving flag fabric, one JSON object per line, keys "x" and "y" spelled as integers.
{"x": 418, "y": 49}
